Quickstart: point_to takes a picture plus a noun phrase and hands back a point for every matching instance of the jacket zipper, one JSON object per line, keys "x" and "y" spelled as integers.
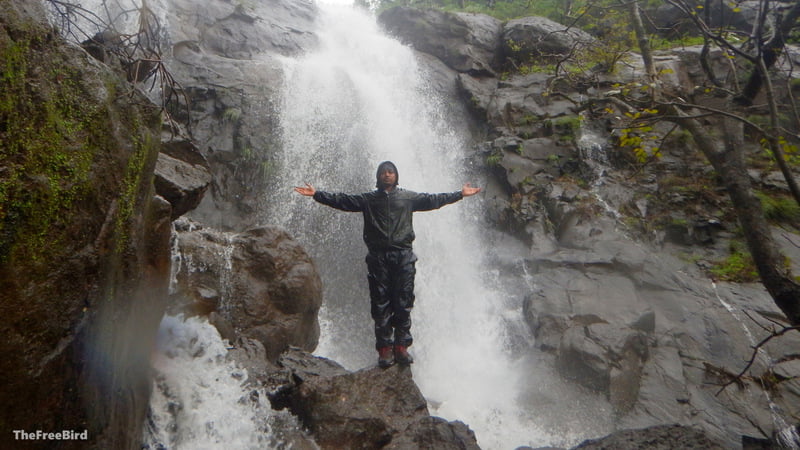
{"x": 389, "y": 231}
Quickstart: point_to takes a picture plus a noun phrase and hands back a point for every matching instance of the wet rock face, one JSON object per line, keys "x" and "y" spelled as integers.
{"x": 84, "y": 252}
{"x": 464, "y": 42}
{"x": 227, "y": 59}
{"x": 182, "y": 174}
{"x": 657, "y": 438}
{"x": 260, "y": 284}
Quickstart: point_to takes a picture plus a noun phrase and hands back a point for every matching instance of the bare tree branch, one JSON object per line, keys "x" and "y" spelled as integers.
{"x": 756, "y": 349}
{"x": 138, "y": 53}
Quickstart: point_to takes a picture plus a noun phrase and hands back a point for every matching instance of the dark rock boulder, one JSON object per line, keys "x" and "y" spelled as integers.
{"x": 370, "y": 408}
{"x": 182, "y": 174}
{"x": 673, "y": 23}
{"x": 465, "y": 42}
{"x": 663, "y": 437}
{"x": 537, "y": 40}
{"x": 359, "y": 410}
{"x": 261, "y": 282}
{"x": 435, "y": 433}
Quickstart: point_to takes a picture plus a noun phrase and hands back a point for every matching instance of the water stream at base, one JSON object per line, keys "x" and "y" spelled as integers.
{"x": 200, "y": 399}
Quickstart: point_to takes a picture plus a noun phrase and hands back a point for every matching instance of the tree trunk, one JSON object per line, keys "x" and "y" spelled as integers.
{"x": 728, "y": 161}
{"x": 770, "y": 52}
{"x": 642, "y": 41}
{"x": 759, "y": 78}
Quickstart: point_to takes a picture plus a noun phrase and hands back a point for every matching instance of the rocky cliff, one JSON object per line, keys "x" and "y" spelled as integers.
{"x": 616, "y": 311}
{"x": 618, "y": 308}
{"x": 91, "y": 183}
{"x": 84, "y": 253}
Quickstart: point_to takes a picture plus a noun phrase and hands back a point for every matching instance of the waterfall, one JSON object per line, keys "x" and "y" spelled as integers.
{"x": 592, "y": 147}
{"x": 361, "y": 99}
{"x": 200, "y": 399}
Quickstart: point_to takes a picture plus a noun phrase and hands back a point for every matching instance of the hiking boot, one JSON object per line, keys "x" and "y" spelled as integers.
{"x": 385, "y": 357}
{"x": 401, "y": 355}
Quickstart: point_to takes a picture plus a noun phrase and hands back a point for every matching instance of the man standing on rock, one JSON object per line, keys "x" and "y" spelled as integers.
{"x": 388, "y": 233}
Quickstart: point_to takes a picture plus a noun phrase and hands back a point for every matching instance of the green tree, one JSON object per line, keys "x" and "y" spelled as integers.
{"x": 720, "y": 132}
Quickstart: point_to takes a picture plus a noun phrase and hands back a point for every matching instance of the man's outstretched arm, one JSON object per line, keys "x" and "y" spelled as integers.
{"x": 428, "y": 202}
{"x": 341, "y": 201}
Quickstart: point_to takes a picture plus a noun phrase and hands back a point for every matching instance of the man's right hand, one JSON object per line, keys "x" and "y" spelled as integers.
{"x": 308, "y": 190}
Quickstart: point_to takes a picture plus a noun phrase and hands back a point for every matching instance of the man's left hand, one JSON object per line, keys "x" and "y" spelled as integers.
{"x": 468, "y": 190}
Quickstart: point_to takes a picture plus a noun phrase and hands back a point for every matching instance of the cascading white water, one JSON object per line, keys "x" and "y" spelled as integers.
{"x": 358, "y": 100}
{"x": 200, "y": 399}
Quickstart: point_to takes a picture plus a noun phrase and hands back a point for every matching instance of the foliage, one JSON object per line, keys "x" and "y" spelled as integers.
{"x": 55, "y": 131}
{"x": 134, "y": 181}
{"x": 663, "y": 43}
{"x": 566, "y": 127}
{"x": 232, "y": 115}
{"x": 639, "y": 135}
{"x": 494, "y": 158}
{"x": 789, "y": 149}
{"x": 502, "y": 9}
{"x": 780, "y": 208}
{"x": 737, "y": 267}
{"x": 44, "y": 170}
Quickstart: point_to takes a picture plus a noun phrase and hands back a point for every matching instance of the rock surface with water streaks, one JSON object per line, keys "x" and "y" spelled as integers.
{"x": 227, "y": 58}
{"x": 259, "y": 283}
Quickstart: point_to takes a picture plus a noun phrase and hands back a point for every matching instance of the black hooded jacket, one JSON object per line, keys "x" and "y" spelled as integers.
{"x": 387, "y": 214}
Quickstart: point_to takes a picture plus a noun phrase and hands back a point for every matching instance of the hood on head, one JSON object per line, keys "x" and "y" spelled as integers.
{"x": 386, "y": 165}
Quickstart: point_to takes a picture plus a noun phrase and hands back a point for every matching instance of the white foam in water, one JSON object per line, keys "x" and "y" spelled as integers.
{"x": 199, "y": 399}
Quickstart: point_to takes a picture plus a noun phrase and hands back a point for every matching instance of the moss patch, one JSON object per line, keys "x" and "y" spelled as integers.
{"x": 43, "y": 131}
{"x": 61, "y": 152}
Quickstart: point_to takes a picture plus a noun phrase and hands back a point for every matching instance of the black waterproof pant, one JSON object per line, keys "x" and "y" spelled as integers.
{"x": 391, "y": 290}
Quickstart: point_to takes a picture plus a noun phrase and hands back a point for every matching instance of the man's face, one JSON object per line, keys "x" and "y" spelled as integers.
{"x": 387, "y": 177}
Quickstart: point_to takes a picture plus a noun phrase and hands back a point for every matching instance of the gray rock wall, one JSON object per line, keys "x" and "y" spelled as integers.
{"x": 227, "y": 60}
{"x": 258, "y": 284}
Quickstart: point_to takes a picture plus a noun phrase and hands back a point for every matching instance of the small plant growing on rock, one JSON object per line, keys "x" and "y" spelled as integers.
{"x": 738, "y": 267}
{"x": 494, "y": 158}
{"x": 780, "y": 208}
